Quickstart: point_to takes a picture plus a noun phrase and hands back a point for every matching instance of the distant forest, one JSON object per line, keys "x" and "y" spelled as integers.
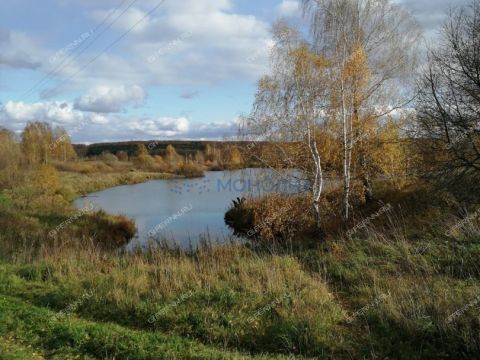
{"x": 182, "y": 147}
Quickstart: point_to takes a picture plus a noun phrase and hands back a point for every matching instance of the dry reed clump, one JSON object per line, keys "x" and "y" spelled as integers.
{"x": 284, "y": 218}
{"x": 275, "y": 217}
{"x": 190, "y": 170}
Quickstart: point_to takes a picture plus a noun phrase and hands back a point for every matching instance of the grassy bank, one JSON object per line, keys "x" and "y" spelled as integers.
{"x": 227, "y": 297}
{"x": 388, "y": 293}
{"x": 400, "y": 287}
{"x": 81, "y": 184}
{"x": 40, "y": 205}
{"x": 27, "y": 333}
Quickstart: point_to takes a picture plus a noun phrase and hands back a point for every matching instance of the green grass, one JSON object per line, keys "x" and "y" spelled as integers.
{"x": 12, "y": 350}
{"x": 425, "y": 288}
{"x": 295, "y": 312}
{"x": 30, "y": 211}
{"x": 23, "y": 323}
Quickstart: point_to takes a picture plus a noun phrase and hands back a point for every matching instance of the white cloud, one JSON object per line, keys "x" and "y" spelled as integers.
{"x": 194, "y": 43}
{"x": 95, "y": 126}
{"x": 124, "y": 128}
{"x": 56, "y": 111}
{"x": 159, "y": 127}
{"x": 107, "y": 99}
{"x": 199, "y": 7}
{"x": 98, "y": 119}
{"x": 129, "y": 19}
{"x": 431, "y": 14}
{"x": 116, "y": 127}
{"x": 214, "y": 130}
{"x": 15, "y": 115}
{"x": 289, "y": 8}
{"x": 198, "y": 42}
{"x": 13, "y": 53}
{"x": 218, "y": 43}
{"x": 168, "y": 128}
{"x": 224, "y": 45}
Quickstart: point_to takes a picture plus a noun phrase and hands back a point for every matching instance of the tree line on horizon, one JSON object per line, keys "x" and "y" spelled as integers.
{"x": 41, "y": 145}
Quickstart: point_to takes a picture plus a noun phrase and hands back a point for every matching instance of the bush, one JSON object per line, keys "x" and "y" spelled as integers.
{"x": 271, "y": 218}
{"x": 161, "y": 165}
{"x": 108, "y": 157}
{"x": 144, "y": 162}
{"x": 19, "y": 233}
{"x": 239, "y": 217}
{"x": 122, "y": 155}
{"x": 111, "y": 231}
{"x": 190, "y": 170}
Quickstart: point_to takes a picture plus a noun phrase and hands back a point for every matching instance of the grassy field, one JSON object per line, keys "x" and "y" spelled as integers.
{"x": 382, "y": 296}
{"x": 398, "y": 288}
{"x": 378, "y": 298}
{"x": 23, "y": 324}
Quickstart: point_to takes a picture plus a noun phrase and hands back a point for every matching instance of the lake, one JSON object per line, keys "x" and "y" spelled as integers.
{"x": 183, "y": 211}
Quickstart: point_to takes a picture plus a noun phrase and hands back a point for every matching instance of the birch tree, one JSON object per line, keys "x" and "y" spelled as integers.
{"x": 62, "y": 148}
{"x": 382, "y": 36}
{"x": 37, "y": 138}
{"x": 289, "y": 112}
{"x": 10, "y": 157}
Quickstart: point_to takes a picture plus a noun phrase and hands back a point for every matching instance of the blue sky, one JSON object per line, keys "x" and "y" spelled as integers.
{"x": 187, "y": 71}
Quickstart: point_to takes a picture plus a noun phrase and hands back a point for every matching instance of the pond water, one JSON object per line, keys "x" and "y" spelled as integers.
{"x": 182, "y": 212}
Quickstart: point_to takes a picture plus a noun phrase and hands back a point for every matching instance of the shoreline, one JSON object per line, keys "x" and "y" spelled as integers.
{"x": 85, "y": 184}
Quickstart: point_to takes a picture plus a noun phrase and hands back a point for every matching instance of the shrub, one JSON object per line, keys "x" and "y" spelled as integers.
{"x": 144, "y": 162}
{"x": 10, "y": 156}
{"x": 19, "y": 233}
{"x": 161, "y": 165}
{"x": 190, "y": 170}
{"x": 111, "y": 231}
{"x": 108, "y": 157}
{"x": 239, "y": 217}
{"x": 122, "y": 155}
{"x": 273, "y": 217}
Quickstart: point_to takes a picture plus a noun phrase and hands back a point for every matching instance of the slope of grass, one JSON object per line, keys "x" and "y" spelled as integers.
{"x": 226, "y": 297}
{"x": 10, "y": 349}
{"x": 411, "y": 297}
{"x": 382, "y": 296}
{"x": 21, "y": 323}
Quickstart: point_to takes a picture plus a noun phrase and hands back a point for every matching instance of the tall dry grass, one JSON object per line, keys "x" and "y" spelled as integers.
{"x": 236, "y": 298}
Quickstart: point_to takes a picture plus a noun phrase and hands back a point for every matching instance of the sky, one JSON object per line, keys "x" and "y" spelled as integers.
{"x": 120, "y": 70}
